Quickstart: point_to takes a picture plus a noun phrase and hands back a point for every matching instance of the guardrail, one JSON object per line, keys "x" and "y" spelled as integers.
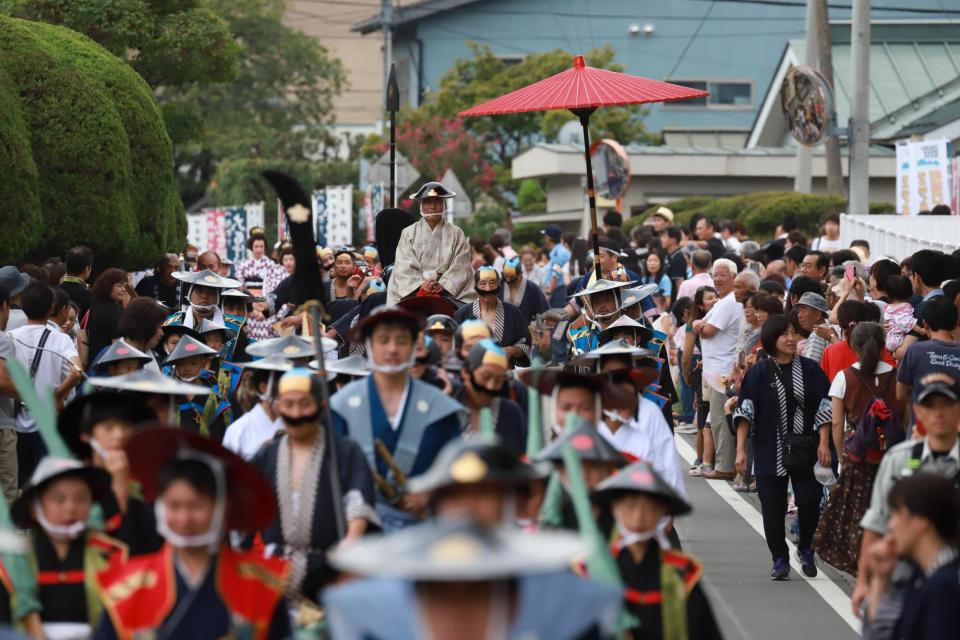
{"x": 900, "y": 236}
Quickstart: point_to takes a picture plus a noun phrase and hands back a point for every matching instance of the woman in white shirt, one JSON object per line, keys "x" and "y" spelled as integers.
{"x": 830, "y": 240}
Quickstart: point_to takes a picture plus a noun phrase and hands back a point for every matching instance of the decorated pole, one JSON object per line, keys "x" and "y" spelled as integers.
{"x": 393, "y": 105}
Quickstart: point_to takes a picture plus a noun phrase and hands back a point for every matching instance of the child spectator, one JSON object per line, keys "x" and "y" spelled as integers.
{"x": 898, "y": 317}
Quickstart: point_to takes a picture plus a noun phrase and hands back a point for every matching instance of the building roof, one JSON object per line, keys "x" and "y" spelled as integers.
{"x": 914, "y": 78}
{"x": 409, "y": 13}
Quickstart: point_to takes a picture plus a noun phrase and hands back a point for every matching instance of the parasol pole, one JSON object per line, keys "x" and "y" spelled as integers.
{"x": 393, "y": 105}
{"x": 584, "y": 115}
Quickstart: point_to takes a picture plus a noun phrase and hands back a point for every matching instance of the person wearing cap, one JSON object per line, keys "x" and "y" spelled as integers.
{"x": 485, "y": 386}
{"x": 936, "y": 405}
{"x": 546, "y": 336}
{"x": 506, "y": 323}
{"x": 258, "y": 264}
{"x": 372, "y": 257}
{"x": 662, "y": 586}
{"x": 467, "y": 334}
{"x": 610, "y": 267}
{"x": 554, "y": 288}
{"x": 812, "y": 316}
{"x": 120, "y": 358}
{"x": 481, "y": 480}
{"x": 411, "y": 419}
{"x": 96, "y": 427}
{"x": 521, "y": 292}
{"x": 601, "y": 307}
{"x": 662, "y": 217}
{"x": 450, "y": 579}
{"x": 203, "y": 297}
{"x": 205, "y": 414}
{"x": 571, "y": 395}
{"x": 156, "y": 391}
{"x": 54, "y": 505}
{"x": 426, "y": 366}
{"x": 433, "y": 256}
{"x": 14, "y": 282}
{"x": 441, "y": 329}
{"x": 196, "y": 586}
{"x": 171, "y": 336}
{"x": 260, "y": 423}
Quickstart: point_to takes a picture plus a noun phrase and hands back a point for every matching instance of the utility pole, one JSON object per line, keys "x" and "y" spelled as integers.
{"x": 386, "y": 21}
{"x": 825, "y": 53}
{"x": 803, "y": 182}
{"x": 859, "y": 201}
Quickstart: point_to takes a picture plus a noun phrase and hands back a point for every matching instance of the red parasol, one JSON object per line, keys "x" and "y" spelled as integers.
{"x": 582, "y": 89}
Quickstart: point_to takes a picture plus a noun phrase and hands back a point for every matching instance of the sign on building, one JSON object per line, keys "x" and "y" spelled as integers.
{"x": 924, "y": 176}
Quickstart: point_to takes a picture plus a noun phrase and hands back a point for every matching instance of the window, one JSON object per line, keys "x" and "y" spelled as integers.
{"x": 723, "y": 94}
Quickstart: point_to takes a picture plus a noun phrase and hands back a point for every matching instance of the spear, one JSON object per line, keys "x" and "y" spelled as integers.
{"x": 393, "y": 105}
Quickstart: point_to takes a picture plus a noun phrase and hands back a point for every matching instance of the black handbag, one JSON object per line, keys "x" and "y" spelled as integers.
{"x": 799, "y": 449}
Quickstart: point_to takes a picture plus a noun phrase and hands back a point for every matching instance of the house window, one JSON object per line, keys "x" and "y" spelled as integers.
{"x": 723, "y": 94}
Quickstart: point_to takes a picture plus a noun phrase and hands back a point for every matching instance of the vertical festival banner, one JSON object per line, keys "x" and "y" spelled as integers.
{"x": 924, "y": 173}
{"x": 235, "y": 233}
{"x": 255, "y": 215}
{"x": 340, "y": 216}
{"x": 318, "y": 200}
{"x": 197, "y": 230}
{"x": 216, "y": 233}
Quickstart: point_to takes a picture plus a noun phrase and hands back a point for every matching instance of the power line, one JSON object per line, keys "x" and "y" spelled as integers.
{"x": 846, "y": 7}
{"x": 696, "y": 32}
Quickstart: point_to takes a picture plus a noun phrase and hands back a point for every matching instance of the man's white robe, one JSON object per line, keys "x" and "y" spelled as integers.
{"x": 441, "y": 254}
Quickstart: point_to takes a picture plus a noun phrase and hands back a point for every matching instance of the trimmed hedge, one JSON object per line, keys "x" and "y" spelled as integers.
{"x": 760, "y": 212}
{"x": 86, "y": 146}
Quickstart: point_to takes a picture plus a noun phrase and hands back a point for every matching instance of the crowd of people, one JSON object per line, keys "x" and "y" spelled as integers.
{"x": 450, "y": 450}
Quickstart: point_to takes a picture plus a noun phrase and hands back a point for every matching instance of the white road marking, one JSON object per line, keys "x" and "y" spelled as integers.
{"x": 832, "y": 594}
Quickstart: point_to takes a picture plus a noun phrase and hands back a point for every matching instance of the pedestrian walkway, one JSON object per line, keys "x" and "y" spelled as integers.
{"x": 725, "y": 533}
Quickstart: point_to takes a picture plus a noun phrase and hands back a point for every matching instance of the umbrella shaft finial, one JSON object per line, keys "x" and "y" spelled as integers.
{"x": 578, "y": 62}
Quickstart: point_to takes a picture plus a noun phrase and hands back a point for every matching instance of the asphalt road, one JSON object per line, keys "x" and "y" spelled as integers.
{"x": 726, "y": 533}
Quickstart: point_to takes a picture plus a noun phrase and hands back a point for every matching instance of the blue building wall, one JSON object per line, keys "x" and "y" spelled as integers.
{"x": 691, "y": 40}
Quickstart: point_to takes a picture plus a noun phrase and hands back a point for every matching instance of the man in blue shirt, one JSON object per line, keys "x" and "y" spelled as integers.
{"x": 559, "y": 256}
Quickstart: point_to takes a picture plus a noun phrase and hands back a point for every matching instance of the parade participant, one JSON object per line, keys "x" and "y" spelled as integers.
{"x": 157, "y": 391}
{"x": 456, "y": 580}
{"x": 505, "y": 321}
{"x": 582, "y": 395}
{"x": 298, "y": 467}
{"x": 120, "y": 358}
{"x": 204, "y": 414}
{"x": 426, "y": 365}
{"x": 663, "y": 589}
{"x": 783, "y": 405}
{"x": 236, "y": 305}
{"x": 96, "y": 427}
{"x": 171, "y": 336}
{"x": 203, "y": 297}
{"x": 259, "y": 265}
{"x": 521, "y": 292}
{"x": 215, "y": 335}
{"x": 372, "y": 257}
{"x": 55, "y": 505}
{"x": 479, "y": 479}
{"x": 254, "y": 428}
{"x": 433, "y": 257}
{"x": 599, "y": 459}
{"x": 468, "y": 334}
{"x": 638, "y": 303}
{"x": 391, "y": 413}
{"x": 196, "y": 586}
{"x": 601, "y": 306}
{"x": 441, "y": 328}
{"x": 298, "y": 349}
{"x": 484, "y": 376}
{"x": 546, "y": 335}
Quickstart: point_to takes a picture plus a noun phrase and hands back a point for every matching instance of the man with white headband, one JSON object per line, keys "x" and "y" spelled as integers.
{"x": 433, "y": 257}
{"x": 662, "y": 586}
{"x": 196, "y": 586}
{"x": 400, "y": 423}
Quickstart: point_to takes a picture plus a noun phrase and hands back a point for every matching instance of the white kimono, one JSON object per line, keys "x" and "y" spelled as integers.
{"x": 648, "y": 438}
{"x": 442, "y": 254}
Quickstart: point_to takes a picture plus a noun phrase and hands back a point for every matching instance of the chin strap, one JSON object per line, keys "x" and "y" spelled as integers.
{"x": 59, "y": 531}
{"x": 210, "y": 539}
{"x": 658, "y": 533}
{"x": 389, "y": 368}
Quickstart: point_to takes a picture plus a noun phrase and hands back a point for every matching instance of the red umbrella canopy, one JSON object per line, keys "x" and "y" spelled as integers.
{"x": 583, "y": 87}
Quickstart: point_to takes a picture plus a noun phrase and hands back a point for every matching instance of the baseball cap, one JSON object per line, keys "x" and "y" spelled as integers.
{"x": 938, "y": 383}
{"x": 552, "y": 230}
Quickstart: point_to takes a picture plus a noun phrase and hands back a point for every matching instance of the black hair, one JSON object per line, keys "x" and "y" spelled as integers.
{"x": 837, "y": 258}
{"x": 4, "y": 295}
{"x": 929, "y": 266}
{"x": 36, "y": 300}
{"x": 699, "y": 313}
{"x": 951, "y": 289}
{"x": 664, "y": 264}
{"x": 773, "y": 287}
{"x": 805, "y": 284}
{"x": 898, "y": 287}
{"x": 253, "y": 238}
{"x": 871, "y": 312}
{"x": 940, "y": 314}
{"x": 867, "y": 340}
{"x": 849, "y": 314}
{"x": 701, "y": 259}
{"x": 612, "y": 219}
{"x": 60, "y": 300}
{"x": 795, "y": 254}
{"x": 832, "y": 217}
{"x": 77, "y": 259}
{"x": 883, "y": 269}
{"x": 789, "y": 223}
{"x": 735, "y": 259}
{"x": 940, "y": 210}
{"x": 772, "y": 329}
{"x": 194, "y": 472}
{"x": 823, "y": 259}
{"x": 680, "y": 306}
{"x": 796, "y": 237}
{"x": 141, "y": 318}
{"x": 578, "y": 254}
{"x": 762, "y": 301}
{"x": 860, "y": 243}
{"x": 932, "y": 497}
{"x": 692, "y": 224}
{"x": 674, "y": 232}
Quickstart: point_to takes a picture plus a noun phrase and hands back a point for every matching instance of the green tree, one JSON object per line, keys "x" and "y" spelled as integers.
{"x": 84, "y": 154}
{"x": 530, "y": 196}
{"x": 278, "y": 106}
{"x": 485, "y": 76}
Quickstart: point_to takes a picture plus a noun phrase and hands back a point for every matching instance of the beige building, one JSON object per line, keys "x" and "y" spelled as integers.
{"x": 359, "y": 109}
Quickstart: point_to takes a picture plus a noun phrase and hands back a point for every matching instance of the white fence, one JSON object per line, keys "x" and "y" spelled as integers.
{"x": 900, "y": 236}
